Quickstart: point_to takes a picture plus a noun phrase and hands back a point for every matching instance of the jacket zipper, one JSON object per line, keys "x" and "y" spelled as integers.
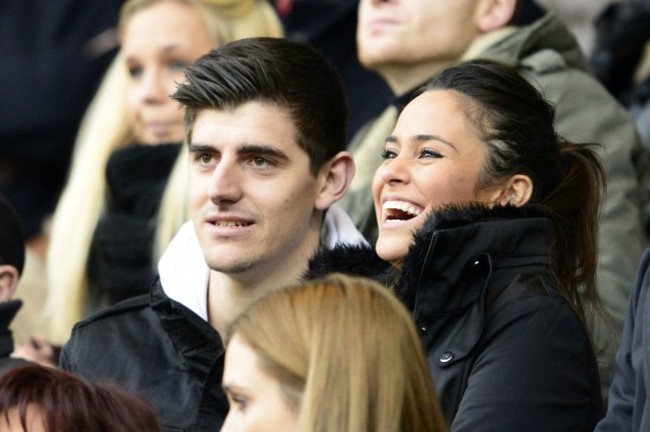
{"x": 427, "y": 257}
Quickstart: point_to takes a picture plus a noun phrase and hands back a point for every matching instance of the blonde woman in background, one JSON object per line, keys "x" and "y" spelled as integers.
{"x": 159, "y": 39}
{"x": 338, "y": 354}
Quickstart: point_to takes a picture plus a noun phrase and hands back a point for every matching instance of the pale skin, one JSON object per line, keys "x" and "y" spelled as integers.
{"x": 433, "y": 157}
{"x": 8, "y": 282}
{"x": 158, "y": 43}
{"x": 256, "y": 400}
{"x": 256, "y": 207}
{"x": 408, "y": 41}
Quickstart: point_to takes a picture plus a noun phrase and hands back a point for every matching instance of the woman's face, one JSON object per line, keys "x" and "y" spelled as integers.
{"x": 158, "y": 42}
{"x": 256, "y": 401}
{"x": 434, "y": 157}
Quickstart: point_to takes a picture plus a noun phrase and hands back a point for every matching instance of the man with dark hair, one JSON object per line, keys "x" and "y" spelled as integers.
{"x": 12, "y": 261}
{"x": 265, "y": 130}
{"x": 408, "y": 42}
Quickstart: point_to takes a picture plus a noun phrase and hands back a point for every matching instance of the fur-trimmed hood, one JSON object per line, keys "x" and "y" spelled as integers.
{"x": 446, "y": 250}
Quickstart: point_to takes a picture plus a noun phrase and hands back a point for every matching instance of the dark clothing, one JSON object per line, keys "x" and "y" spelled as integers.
{"x": 629, "y": 405}
{"x": 161, "y": 346}
{"x": 506, "y": 351}
{"x": 159, "y": 349}
{"x": 54, "y": 54}
{"x": 8, "y": 311}
{"x": 121, "y": 264}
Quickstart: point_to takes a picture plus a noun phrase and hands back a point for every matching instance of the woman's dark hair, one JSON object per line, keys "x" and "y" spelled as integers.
{"x": 67, "y": 402}
{"x": 517, "y": 125}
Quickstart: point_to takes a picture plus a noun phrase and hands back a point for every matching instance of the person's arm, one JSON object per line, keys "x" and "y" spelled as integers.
{"x": 535, "y": 371}
{"x": 622, "y": 393}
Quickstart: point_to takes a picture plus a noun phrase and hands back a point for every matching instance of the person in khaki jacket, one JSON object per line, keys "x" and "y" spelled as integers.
{"x": 408, "y": 42}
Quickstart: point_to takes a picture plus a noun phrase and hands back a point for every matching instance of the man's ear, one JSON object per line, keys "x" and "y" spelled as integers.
{"x": 494, "y": 14}
{"x": 516, "y": 191}
{"x": 334, "y": 178}
{"x": 8, "y": 282}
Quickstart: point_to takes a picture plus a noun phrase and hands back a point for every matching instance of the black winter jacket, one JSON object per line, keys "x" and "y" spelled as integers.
{"x": 506, "y": 351}
{"x": 162, "y": 351}
{"x": 161, "y": 346}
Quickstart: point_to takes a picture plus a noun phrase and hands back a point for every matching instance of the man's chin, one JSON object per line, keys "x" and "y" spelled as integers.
{"x": 237, "y": 266}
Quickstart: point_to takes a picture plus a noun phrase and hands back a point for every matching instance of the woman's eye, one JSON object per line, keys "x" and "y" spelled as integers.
{"x": 388, "y": 154}
{"x": 429, "y": 153}
{"x": 135, "y": 71}
{"x": 240, "y": 401}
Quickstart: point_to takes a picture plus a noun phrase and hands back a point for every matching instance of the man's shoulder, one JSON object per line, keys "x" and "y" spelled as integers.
{"x": 126, "y": 309}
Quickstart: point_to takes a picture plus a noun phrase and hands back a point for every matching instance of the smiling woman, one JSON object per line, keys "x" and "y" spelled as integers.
{"x": 489, "y": 222}
{"x": 110, "y": 224}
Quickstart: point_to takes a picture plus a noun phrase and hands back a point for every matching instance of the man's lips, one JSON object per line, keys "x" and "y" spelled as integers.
{"x": 230, "y": 222}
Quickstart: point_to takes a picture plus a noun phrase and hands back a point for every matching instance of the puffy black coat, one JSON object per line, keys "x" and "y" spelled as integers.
{"x": 506, "y": 351}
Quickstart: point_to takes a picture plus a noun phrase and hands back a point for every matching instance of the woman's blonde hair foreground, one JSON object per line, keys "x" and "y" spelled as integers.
{"x": 346, "y": 354}
{"x": 105, "y": 129}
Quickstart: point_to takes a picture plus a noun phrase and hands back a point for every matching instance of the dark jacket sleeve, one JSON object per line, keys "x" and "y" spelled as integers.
{"x": 628, "y": 393}
{"x": 535, "y": 371}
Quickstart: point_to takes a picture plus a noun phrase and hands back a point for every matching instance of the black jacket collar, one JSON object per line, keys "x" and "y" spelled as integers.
{"x": 457, "y": 245}
{"x": 453, "y": 244}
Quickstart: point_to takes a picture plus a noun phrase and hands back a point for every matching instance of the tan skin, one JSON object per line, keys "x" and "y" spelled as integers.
{"x": 433, "y": 157}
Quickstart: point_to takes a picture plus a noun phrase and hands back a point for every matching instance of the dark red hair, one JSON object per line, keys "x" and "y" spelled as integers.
{"x": 70, "y": 403}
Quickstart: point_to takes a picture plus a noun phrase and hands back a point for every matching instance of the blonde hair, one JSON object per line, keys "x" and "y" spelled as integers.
{"x": 346, "y": 354}
{"x": 105, "y": 129}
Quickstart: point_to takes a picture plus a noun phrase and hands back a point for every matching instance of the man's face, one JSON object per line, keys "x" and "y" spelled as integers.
{"x": 411, "y": 32}
{"x": 252, "y": 195}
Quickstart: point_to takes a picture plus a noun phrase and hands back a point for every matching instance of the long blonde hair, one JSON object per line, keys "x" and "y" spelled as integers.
{"x": 105, "y": 129}
{"x": 346, "y": 354}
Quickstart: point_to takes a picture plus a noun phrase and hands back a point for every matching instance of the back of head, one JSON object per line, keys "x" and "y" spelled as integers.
{"x": 12, "y": 239}
{"x": 273, "y": 71}
{"x": 66, "y": 402}
{"x": 308, "y": 334}
{"x": 516, "y": 124}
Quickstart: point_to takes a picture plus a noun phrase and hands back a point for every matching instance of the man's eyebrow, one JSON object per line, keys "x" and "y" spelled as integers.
{"x": 201, "y": 148}
{"x": 263, "y": 150}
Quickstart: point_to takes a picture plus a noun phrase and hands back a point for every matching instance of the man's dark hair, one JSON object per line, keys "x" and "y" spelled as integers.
{"x": 275, "y": 71}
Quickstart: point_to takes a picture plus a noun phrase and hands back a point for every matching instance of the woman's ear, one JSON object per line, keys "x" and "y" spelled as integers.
{"x": 334, "y": 177}
{"x": 8, "y": 282}
{"x": 517, "y": 191}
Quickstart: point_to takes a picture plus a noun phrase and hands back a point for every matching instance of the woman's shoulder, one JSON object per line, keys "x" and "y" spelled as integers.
{"x": 530, "y": 303}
